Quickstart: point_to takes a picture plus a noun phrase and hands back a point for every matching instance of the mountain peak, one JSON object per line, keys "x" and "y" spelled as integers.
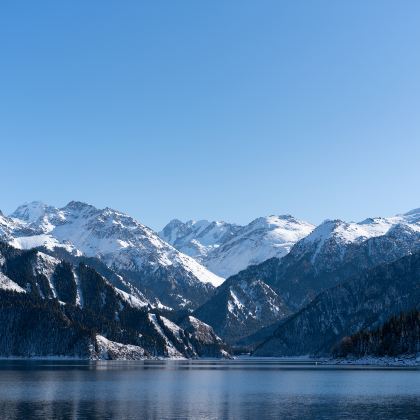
{"x": 198, "y": 223}
{"x": 77, "y": 205}
{"x": 30, "y": 211}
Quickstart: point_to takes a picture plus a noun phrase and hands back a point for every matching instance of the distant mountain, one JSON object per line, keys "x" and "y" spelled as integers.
{"x": 131, "y": 249}
{"x": 290, "y": 280}
{"x": 363, "y": 302}
{"x": 197, "y": 238}
{"x": 226, "y": 249}
{"x": 335, "y": 251}
{"x": 49, "y": 307}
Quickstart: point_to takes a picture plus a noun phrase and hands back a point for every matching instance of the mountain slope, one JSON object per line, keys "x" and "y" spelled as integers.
{"x": 197, "y": 238}
{"x": 239, "y": 309}
{"x": 226, "y": 249}
{"x": 365, "y": 301}
{"x": 263, "y": 238}
{"x": 121, "y": 242}
{"x": 87, "y": 315}
{"x": 399, "y": 335}
{"x": 334, "y": 252}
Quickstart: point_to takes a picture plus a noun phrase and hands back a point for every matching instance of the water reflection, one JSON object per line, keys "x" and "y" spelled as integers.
{"x": 205, "y": 390}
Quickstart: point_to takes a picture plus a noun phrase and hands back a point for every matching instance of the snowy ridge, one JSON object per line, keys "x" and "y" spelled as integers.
{"x": 336, "y": 235}
{"x": 115, "y": 238}
{"x": 263, "y": 238}
{"x": 133, "y": 301}
{"x": 226, "y": 249}
{"x": 197, "y": 238}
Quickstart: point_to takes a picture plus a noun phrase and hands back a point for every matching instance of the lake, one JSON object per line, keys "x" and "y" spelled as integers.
{"x": 205, "y": 389}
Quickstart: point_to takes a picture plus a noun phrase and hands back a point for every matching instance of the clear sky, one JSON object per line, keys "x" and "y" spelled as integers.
{"x": 212, "y": 109}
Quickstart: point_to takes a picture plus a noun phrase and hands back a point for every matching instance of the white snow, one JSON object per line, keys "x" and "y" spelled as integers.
{"x": 79, "y": 295}
{"x": 226, "y": 249}
{"x": 117, "y": 239}
{"x": 345, "y": 233}
{"x": 197, "y": 238}
{"x": 108, "y": 349}
{"x": 271, "y": 236}
{"x": 170, "y": 348}
{"x": 30, "y": 212}
{"x": 133, "y": 301}
{"x": 263, "y": 238}
{"x": 46, "y": 265}
{"x": 234, "y": 302}
{"x": 196, "y": 323}
{"x": 175, "y": 329}
{"x": 220, "y": 249}
{"x": 45, "y": 240}
{"x": 7, "y": 284}
{"x": 200, "y": 271}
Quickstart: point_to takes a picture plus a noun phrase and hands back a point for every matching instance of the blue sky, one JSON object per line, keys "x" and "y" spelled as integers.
{"x": 212, "y": 109}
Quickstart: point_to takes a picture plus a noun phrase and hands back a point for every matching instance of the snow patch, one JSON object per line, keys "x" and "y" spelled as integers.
{"x": 8, "y": 284}
{"x": 133, "y": 301}
{"x": 170, "y": 348}
{"x": 112, "y": 350}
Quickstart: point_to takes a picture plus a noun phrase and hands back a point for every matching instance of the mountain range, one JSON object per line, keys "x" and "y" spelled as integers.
{"x": 110, "y": 287}
{"x": 161, "y": 273}
{"x": 226, "y": 249}
{"x": 332, "y": 253}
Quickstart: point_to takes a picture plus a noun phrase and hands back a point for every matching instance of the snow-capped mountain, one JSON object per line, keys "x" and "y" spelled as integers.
{"x": 118, "y": 240}
{"x": 335, "y": 236}
{"x": 197, "y": 238}
{"x": 335, "y": 251}
{"x": 263, "y": 238}
{"x": 226, "y": 249}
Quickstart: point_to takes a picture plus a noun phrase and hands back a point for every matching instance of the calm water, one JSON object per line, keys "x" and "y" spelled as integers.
{"x": 239, "y": 389}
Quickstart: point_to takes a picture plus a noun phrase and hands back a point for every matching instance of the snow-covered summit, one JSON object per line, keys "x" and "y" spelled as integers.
{"x": 263, "y": 238}
{"x": 31, "y": 212}
{"x": 197, "y": 238}
{"x": 227, "y": 248}
{"x": 347, "y": 232}
{"x": 117, "y": 239}
{"x": 333, "y": 237}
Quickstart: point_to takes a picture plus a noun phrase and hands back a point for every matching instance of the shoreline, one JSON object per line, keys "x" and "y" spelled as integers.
{"x": 385, "y": 361}
{"x": 368, "y": 361}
